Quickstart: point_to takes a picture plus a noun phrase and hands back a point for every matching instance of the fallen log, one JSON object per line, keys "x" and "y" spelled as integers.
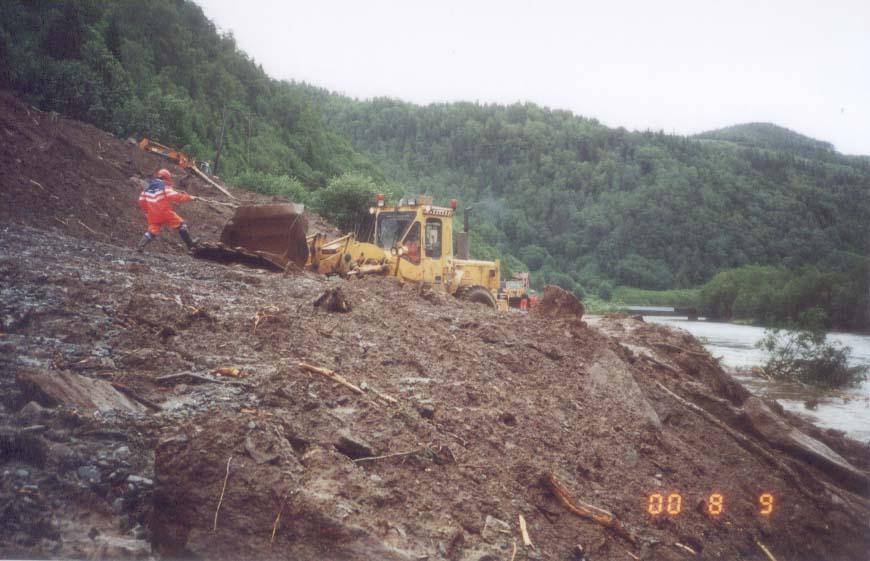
{"x": 850, "y": 503}
{"x": 184, "y": 378}
{"x": 588, "y": 511}
{"x": 668, "y": 346}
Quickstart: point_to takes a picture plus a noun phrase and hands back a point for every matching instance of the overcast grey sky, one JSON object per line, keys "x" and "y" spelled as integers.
{"x": 680, "y": 66}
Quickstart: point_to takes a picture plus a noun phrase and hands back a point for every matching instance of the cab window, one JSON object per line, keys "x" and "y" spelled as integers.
{"x": 433, "y": 237}
{"x": 391, "y": 226}
{"x": 411, "y": 243}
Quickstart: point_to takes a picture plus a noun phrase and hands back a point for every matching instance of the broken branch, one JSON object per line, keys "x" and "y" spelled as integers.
{"x": 766, "y": 551}
{"x": 395, "y": 455}
{"x": 88, "y": 228}
{"x": 221, "y": 499}
{"x": 332, "y": 375}
{"x": 184, "y": 378}
{"x": 262, "y": 315}
{"x": 278, "y": 518}
{"x": 525, "y": 533}
{"x": 389, "y": 399}
{"x": 586, "y": 510}
{"x": 686, "y": 548}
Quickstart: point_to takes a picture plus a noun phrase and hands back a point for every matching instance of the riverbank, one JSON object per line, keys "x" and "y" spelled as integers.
{"x": 847, "y": 410}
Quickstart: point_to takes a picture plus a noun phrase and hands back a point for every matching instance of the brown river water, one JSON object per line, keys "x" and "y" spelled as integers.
{"x": 847, "y": 410}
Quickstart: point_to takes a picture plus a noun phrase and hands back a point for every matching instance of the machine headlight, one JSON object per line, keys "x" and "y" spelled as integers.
{"x": 371, "y": 210}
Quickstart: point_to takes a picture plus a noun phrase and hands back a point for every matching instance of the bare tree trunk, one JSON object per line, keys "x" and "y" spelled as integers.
{"x": 217, "y": 157}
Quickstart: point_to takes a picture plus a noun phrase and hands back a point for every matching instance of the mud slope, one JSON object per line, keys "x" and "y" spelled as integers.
{"x": 157, "y": 405}
{"x": 487, "y": 406}
{"x": 71, "y": 177}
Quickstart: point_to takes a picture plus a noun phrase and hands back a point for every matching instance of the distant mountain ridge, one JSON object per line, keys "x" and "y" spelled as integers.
{"x": 767, "y": 135}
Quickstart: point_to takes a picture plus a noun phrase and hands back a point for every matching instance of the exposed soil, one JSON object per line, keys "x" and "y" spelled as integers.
{"x": 68, "y": 176}
{"x": 237, "y": 451}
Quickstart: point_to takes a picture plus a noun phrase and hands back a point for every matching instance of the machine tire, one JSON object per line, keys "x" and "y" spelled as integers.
{"x": 478, "y": 295}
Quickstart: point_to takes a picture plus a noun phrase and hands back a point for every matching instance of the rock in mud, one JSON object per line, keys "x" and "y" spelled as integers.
{"x": 89, "y": 474}
{"x": 611, "y": 378}
{"x": 426, "y": 410}
{"x": 31, "y": 411}
{"x": 333, "y": 300}
{"x": 55, "y": 388}
{"x": 558, "y": 303}
{"x": 495, "y": 529}
{"x": 354, "y": 447}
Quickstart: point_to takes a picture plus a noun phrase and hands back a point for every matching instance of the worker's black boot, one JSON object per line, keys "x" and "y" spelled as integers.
{"x": 185, "y": 236}
{"x": 140, "y": 247}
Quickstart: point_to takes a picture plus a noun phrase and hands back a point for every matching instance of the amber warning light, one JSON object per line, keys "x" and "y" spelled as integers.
{"x": 380, "y": 198}
{"x": 671, "y": 504}
{"x": 454, "y": 203}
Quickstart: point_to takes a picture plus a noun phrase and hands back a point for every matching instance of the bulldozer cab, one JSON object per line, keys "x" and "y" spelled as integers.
{"x": 417, "y": 237}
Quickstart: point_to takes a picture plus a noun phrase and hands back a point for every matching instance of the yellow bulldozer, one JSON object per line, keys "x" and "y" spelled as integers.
{"x": 412, "y": 240}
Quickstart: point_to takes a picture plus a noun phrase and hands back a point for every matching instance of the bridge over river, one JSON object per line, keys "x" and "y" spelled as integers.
{"x": 670, "y": 311}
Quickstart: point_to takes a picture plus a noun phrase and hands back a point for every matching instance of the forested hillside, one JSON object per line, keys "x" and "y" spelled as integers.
{"x": 580, "y": 204}
{"x": 584, "y": 205}
{"x": 161, "y": 69}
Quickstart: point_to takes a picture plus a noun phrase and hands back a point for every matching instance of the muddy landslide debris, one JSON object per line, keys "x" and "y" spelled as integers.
{"x": 428, "y": 438}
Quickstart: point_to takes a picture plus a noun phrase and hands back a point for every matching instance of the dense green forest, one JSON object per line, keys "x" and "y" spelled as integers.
{"x": 577, "y": 203}
{"x": 161, "y": 69}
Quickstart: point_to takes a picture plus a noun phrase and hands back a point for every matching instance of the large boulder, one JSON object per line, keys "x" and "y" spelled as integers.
{"x": 558, "y": 303}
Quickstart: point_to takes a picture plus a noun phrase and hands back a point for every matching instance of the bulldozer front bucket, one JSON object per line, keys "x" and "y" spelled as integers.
{"x": 274, "y": 234}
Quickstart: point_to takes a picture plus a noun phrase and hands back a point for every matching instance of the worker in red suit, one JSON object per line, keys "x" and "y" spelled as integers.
{"x": 156, "y": 200}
